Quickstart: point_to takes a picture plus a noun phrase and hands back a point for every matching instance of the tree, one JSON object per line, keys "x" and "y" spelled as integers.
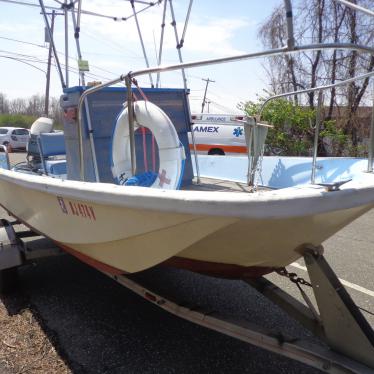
{"x": 322, "y": 21}
{"x": 55, "y": 111}
{"x": 35, "y": 105}
{"x": 4, "y": 105}
{"x": 22, "y": 112}
{"x": 17, "y": 106}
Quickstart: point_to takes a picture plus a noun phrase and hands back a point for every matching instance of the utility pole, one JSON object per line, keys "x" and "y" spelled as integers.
{"x": 65, "y": 7}
{"x": 206, "y": 89}
{"x": 53, "y": 44}
{"x": 46, "y": 103}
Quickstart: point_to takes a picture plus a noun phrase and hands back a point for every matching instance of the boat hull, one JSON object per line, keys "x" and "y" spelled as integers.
{"x": 243, "y": 245}
{"x": 129, "y": 229}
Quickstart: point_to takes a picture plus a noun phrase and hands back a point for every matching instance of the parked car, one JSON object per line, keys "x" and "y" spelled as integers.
{"x": 218, "y": 134}
{"x": 14, "y": 137}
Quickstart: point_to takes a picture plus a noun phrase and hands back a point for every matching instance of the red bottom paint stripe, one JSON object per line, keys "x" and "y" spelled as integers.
{"x": 92, "y": 262}
{"x": 218, "y": 270}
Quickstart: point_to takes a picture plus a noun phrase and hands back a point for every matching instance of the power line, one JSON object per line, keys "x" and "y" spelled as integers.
{"x": 109, "y": 42}
{"x": 28, "y": 58}
{"x": 221, "y": 98}
{"x": 220, "y": 106}
{"x": 23, "y": 42}
{"x": 38, "y": 60}
{"x": 22, "y": 61}
{"x": 23, "y": 57}
{"x": 41, "y": 46}
{"x": 118, "y": 47}
{"x": 19, "y": 54}
{"x": 87, "y": 12}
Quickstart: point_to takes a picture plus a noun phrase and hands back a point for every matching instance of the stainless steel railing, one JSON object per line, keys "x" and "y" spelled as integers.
{"x": 321, "y": 89}
{"x": 160, "y": 69}
{"x": 289, "y": 48}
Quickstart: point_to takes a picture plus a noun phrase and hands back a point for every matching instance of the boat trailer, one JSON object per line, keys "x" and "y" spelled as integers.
{"x": 339, "y": 323}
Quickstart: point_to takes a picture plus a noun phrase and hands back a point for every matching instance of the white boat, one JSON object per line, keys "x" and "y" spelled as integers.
{"x": 129, "y": 229}
{"x": 213, "y": 226}
{"x": 236, "y": 218}
{"x": 220, "y": 228}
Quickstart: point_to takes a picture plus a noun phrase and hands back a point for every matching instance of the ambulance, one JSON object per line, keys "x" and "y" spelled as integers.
{"x": 218, "y": 134}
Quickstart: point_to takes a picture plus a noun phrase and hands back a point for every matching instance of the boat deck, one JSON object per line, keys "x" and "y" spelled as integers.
{"x": 220, "y": 185}
{"x": 206, "y": 184}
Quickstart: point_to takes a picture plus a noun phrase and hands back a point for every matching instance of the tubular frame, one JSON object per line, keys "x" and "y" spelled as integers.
{"x": 247, "y": 56}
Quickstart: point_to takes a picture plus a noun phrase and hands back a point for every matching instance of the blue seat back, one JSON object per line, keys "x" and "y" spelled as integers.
{"x": 33, "y": 147}
{"x": 52, "y": 144}
{"x": 4, "y": 160}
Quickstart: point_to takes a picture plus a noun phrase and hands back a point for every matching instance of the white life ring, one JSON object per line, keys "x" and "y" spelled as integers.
{"x": 171, "y": 151}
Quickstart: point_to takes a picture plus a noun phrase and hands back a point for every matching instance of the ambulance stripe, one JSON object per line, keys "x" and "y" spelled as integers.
{"x": 225, "y": 148}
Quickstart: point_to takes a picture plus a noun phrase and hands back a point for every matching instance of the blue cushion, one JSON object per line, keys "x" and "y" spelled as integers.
{"x": 52, "y": 144}
{"x": 4, "y": 164}
{"x": 142, "y": 180}
{"x": 56, "y": 167}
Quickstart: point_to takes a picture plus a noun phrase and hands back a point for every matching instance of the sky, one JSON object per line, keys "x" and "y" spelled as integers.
{"x": 216, "y": 29}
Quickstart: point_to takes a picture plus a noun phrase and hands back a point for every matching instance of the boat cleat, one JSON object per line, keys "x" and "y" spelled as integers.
{"x": 333, "y": 186}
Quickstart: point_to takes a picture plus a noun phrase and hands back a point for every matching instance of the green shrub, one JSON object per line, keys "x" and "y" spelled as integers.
{"x": 16, "y": 120}
{"x": 293, "y": 131}
{"x": 22, "y": 120}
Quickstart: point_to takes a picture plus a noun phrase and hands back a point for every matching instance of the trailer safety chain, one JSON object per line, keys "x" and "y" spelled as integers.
{"x": 292, "y": 277}
{"x": 300, "y": 281}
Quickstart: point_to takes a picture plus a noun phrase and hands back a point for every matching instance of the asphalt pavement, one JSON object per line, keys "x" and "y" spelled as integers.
{"x": 98, "y": 326}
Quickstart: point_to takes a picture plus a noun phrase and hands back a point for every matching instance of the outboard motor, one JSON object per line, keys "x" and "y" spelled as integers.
{"x": 41, "y": 125}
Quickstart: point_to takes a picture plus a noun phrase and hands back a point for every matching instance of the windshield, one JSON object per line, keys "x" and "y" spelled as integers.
{"x": 3, "y": 131}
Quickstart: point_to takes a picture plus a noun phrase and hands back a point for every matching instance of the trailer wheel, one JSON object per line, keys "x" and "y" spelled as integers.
{"x": 9, "y": 280}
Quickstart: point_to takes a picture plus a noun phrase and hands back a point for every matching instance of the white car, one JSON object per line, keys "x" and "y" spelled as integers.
{"x": 14, "y": 137}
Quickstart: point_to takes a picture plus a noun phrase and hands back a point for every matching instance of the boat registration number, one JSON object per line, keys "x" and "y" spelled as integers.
{"x": 76, "y": 209}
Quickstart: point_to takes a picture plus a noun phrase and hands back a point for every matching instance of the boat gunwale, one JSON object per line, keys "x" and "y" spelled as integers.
{"x": 306, "y": 199}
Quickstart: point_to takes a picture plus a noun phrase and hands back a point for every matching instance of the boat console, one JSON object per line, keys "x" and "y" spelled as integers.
{"x": 100, "y": 116}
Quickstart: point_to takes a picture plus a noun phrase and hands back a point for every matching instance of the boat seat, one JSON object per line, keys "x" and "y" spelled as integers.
{"x": 52, "y": 145}
{"x": 56, "y": 167}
